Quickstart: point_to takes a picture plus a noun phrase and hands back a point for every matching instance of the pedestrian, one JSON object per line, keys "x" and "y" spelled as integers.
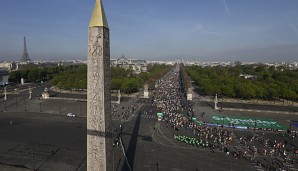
{"x": 117, "y": 143}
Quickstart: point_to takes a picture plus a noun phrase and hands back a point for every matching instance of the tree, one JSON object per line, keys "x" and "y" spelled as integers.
{"x": 116, "y": 83}
{"x": 228, "y": 90}
{"x": 270, "y": 83}
{"x": 33, "y": 75}
{"x": 260, "y": 91}
{"x": 15, "y": 76}
{"x": 129, "y": 85}
{"x": 273, "y": 91}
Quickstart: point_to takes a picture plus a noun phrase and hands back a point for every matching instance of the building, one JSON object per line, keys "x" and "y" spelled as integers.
{"x": 248, "y": 76}
{"x": 8, "y": 66}
{"x": 136, "y": 65}
{"x": 4, "y": 75}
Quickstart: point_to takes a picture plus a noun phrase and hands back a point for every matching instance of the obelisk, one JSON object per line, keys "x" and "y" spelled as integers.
{"x": 99, "y": 142}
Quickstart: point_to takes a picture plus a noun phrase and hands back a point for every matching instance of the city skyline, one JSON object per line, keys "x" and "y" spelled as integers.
{"x": 220, "y": 30}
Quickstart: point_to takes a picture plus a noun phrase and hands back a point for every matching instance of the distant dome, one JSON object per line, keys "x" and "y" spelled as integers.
{"x": 123, "y": 60}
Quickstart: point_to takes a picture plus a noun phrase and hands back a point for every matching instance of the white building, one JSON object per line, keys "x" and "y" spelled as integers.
{"x": 9, "y": 66}
{"x": 137, "y": 65}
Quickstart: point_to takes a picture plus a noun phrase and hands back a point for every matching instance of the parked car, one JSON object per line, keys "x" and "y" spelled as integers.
{"x": 71, "y": 114}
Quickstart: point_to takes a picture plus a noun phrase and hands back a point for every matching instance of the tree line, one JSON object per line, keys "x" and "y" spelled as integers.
{"x": 264, "y": 82}
{"x": 75, "y": 76}
{"x": 126, "y": 81}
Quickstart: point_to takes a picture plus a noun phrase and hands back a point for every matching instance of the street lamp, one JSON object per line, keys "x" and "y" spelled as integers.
{"x": 5, "y": 94}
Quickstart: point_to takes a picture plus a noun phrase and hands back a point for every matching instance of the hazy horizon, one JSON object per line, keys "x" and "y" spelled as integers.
{"x": 217, "y": 30}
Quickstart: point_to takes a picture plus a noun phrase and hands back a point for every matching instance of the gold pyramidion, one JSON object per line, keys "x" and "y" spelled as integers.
{"x": 98, "y": 16}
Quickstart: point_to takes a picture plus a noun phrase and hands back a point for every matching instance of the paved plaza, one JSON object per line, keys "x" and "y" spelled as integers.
{"x": 42, "y": 142}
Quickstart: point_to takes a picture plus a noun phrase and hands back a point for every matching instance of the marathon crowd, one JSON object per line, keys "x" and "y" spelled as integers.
{"x": 170, "y": 99}
{"x": 124, "y": 112}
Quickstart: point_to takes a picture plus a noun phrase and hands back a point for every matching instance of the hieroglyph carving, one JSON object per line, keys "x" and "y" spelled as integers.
{"x": 99, "y": 144}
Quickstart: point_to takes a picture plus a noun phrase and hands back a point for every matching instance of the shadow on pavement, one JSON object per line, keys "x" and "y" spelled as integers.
{"x": 118, "y": 164}
{"x": 131, "y": 150}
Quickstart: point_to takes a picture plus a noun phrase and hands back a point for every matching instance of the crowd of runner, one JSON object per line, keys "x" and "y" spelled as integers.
{"x": 124, "y": 112}
{"x": 170, "y": 99}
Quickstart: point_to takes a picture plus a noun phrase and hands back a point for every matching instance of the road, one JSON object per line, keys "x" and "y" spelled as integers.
{"x": 149, "y": 149}
{"x": 150, "y": 145}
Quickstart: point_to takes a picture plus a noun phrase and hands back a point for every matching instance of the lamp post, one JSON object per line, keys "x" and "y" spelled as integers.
{"x": 5, "y": 94}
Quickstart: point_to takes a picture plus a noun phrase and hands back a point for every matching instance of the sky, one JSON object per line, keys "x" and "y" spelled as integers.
{"x": 213, "y": 30}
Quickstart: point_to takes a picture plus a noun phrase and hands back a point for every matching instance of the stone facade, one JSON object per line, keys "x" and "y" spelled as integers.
{"x": 9, "y": 66}
{"x": 99, "y": 138}
{"x": 136, "y": 65}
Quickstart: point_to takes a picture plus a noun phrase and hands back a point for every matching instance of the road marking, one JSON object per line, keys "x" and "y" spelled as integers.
{"x": 147, "y": 116}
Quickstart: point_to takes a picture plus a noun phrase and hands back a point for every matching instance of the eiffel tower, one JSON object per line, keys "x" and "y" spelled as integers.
{"x": 25, "y": 57}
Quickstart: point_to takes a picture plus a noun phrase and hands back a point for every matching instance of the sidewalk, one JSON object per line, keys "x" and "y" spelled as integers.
{"x": 255, "y": 101}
